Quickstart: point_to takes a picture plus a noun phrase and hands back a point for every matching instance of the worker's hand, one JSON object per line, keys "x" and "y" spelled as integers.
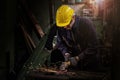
{"x": 67, "y": 56}
{"x": 64, "y": 65}
{"x": 74, "y": 60}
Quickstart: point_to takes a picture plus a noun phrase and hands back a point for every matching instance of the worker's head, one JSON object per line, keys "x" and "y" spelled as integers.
{"x": 64, "y": 16}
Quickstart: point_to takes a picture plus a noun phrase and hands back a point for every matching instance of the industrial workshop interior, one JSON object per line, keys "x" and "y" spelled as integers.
{"x": 25, "y": 26}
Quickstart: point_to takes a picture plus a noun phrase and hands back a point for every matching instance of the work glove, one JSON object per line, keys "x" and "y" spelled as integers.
{"x": 65, "y": 64}
{"x": 74, "y": 60}
{"x": 67, "y": 56}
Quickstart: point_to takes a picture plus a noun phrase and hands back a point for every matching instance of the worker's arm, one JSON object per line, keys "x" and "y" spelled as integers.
{"x": 61, "y": 45}
{"x": 88, "y": 38}
{"x": 50, "y": 38}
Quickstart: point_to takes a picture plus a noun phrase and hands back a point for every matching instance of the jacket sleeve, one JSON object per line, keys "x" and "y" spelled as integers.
{"x": 90, "y": 39}
{"x": 61, "y": 45}
{"x": 90, "y": 52}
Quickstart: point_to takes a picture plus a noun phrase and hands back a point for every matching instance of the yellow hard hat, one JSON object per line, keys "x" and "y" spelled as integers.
{"x": 64, "y": 15}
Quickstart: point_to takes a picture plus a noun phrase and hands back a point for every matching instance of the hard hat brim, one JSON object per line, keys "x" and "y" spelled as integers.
{"x": 63, "y": 24}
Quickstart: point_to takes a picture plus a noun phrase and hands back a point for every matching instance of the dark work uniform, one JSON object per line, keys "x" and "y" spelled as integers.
{"x": 80, "y": 41}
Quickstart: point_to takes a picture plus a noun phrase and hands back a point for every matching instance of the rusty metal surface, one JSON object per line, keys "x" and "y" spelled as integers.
{"x": 45, "y": 73}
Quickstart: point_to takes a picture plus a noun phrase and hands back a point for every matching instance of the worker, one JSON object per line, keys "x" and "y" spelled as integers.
{"x": 76, "y": 39}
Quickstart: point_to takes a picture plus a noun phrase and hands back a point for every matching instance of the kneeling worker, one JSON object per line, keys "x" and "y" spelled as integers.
{"x": 76, "y": 39}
